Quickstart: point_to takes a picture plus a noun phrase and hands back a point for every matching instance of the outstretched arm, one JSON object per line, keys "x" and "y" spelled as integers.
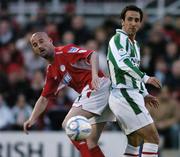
{"x": 94, "y": 60}
{"x": 40, "y": 106}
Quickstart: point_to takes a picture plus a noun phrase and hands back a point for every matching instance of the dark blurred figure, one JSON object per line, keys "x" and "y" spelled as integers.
{"x": 17, "y": 83}
{"x": 161, "y": 69}
{"x": 100, "y": 36}
{"x": 10, "y": 55}
{"x": 4, "y": 13}
{"x": 52, "y": 30}
{"x": 157, "y": 43}
{"x": 177, "y": 31}
{"x": 168, "y": 26}
{"x": 146, "y": 59}
{"x": 172, "y": 53}
{"x": 68, "y": 38}
{"x": 110, "y": 25}
{"x": 143, "y": 33}
{"x": 80, "y": 30}
{"x": 21, "y": 112}
{"x": 6, "y": 118}
{"x": 173, "y": 80}
{"x": 3, "y": 82}
{"x": 37, "y": 83}
{"x": 39, "y": 20}
{"x": 166, "y": 119}
{"x": 6, "y": 32}
{"x": 69, "y": 13}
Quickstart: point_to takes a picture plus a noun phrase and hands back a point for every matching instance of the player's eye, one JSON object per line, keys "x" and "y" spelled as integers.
{"x": 129, "y": 18}
{"x": 34, "y": 44}
{"x": 137, "y": 19}
{"x": 41, "y": 41}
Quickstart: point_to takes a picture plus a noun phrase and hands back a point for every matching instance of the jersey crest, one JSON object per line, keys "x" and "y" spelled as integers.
{"x": 122, "y": 52}
{"x": 62, "y": 68}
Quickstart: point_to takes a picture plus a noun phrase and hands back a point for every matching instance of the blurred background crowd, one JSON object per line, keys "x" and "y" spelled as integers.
{"x": 22, "y": 72}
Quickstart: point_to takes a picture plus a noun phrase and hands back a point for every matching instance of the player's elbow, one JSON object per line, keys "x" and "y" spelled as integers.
{"x": 64, "y": 124}
{"x": 93, "y": 57}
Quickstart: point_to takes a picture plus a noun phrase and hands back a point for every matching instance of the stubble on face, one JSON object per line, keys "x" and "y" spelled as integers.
{"x": 131, "y": 23}
{"x": 42, "y": 45}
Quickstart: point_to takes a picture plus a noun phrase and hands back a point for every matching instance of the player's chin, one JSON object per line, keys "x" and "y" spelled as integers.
{"x": 43, "y": 55}
{"x": 132, "y": 33}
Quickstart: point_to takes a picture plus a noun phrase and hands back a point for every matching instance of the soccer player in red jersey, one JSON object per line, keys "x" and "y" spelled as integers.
{"x": 77, "y": 68}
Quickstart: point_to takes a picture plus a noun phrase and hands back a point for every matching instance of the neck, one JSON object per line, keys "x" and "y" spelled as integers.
{"x": 131, "y": 36}
{"x": 50, "y": 57}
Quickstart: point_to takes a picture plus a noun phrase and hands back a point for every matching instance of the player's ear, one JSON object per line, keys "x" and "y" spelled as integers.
{"x": 50, "y": 40}
{"x": 122, "y": 22}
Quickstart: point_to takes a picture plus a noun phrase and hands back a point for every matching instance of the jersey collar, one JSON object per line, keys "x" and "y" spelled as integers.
{"x": 121, "y": 31}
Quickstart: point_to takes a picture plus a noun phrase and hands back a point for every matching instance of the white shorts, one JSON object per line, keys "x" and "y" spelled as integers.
{"x": 129, "y": 109}
{"x": 96, "y": 102}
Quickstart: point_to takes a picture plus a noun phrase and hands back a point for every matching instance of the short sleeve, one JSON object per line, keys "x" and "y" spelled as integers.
{"x": 81, "y": 54}
{"x": 75, "y": 53}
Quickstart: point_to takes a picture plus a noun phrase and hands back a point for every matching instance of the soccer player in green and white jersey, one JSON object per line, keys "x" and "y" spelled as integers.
{"x": 129, "y": 95}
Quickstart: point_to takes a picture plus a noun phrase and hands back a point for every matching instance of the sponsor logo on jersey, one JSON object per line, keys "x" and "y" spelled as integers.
{"x": 66, "y": 79}
{"x": 135, "y": 61}
{"x": 122, "y": 52}
{"x": 73, "y": 50}
{"x": 62, "y": 68}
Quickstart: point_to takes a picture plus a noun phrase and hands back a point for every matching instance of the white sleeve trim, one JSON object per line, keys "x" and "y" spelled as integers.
{"x": 145, "y": 78}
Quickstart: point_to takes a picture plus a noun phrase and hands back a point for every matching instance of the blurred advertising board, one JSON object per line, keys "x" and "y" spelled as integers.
{"x": 54, "y": 144}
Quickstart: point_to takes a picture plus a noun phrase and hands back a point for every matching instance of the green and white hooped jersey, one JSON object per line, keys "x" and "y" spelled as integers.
{"x": 123, "y": 61}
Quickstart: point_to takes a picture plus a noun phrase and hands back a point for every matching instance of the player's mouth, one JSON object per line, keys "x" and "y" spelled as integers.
{"x": 133, "y": 29}
{"x": 42, "y": 52}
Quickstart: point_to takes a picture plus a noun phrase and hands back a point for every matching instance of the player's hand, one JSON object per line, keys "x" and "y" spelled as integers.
{"x": 154, "y": 81}
{"x": 95, "y": 82}
{"x": 151, "y": 101}
{"x": 27, "y": 125}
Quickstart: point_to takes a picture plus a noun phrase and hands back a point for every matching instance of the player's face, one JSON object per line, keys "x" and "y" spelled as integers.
{"x": 131, "y": 23}
{"x": 42, "y": 45}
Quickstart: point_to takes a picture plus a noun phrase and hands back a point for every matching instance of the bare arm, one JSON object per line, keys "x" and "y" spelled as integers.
{"x": 94, "y": 60}
{"x": 40, "y": 106}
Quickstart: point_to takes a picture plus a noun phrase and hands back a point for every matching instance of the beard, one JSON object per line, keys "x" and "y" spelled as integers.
{"x": 132, "y": 31}
{"x": 48, "y": 56}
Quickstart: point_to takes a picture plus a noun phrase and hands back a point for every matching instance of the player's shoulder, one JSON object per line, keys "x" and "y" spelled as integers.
{"x": 120, "y": 35}
{"x": 117, "y": 34}
{"x": 70, "y": 48}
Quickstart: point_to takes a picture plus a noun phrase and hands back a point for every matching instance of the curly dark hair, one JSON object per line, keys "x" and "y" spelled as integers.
{"x": 131, "y": 8}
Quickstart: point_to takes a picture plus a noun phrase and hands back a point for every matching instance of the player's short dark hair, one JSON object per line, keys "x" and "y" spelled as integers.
{"x": 131, "y": 8}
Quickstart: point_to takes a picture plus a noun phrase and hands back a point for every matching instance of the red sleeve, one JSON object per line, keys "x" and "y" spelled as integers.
{"x": 51, "y": 85}
{"x": 75, "y": 53}
{"x": 83, "y": 54}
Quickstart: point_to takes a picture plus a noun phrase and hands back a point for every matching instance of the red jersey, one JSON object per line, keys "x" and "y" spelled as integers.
{"x": 71, "y": 67}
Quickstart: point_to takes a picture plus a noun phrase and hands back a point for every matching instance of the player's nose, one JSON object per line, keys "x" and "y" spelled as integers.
{"x": 39, "y": 46}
